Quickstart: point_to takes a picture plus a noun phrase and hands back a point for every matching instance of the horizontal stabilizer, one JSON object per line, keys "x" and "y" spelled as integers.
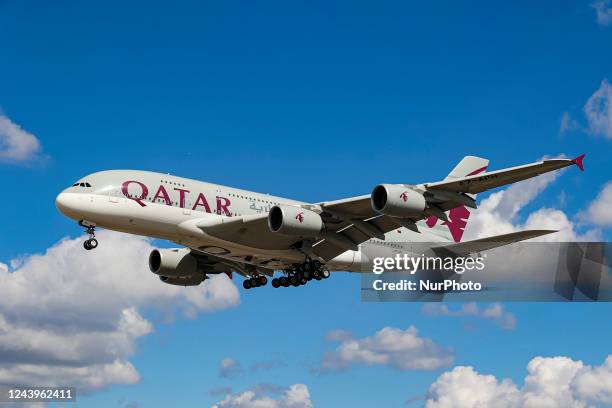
{"x": 484, "y": 244}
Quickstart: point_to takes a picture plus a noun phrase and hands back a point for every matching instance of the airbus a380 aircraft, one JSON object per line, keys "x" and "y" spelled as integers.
{"x": 224, "y": 229}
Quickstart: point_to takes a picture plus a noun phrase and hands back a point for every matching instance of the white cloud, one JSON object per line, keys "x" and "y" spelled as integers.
{"x": 229, "y": 368}
{"x": 338, "y": 335}
{"x": 71, "y": 317}
{"x": 598, "y": 111}
{"x": 550, "y": 382}
{"x": 603, "y": 11}
{"x": 568, "y": 124}
{"x": 463, "y": 387}
{"x": 16, "y": 144}
{"x": 397, "y": 348}
{"x": 599, "y": 211}
{"x": 494, "y": 312}
{"x": 296, "y": 396}
{"x": 497, "y": 214}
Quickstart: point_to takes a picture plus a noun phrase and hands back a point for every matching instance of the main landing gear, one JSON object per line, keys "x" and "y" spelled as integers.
{"x": 301, "y": 274}
{"x": 255, "y": 282}
{"x": 90, "y": 229}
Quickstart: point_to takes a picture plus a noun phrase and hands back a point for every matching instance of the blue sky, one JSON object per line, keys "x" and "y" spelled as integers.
{"x": 313, "y": 101}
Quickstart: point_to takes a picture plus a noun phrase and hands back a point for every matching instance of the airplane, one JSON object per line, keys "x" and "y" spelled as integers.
{"x": 225, "y": 230}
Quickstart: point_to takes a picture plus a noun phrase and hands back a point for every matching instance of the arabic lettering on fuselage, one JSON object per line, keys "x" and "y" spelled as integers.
{"x": 259, "y": 210}
{"x": 201, "y": 203}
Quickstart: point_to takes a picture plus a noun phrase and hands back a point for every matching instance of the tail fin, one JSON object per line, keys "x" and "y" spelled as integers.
{"x": 457, "y": 217}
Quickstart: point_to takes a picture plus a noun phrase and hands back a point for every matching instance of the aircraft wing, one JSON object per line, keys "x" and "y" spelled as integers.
{"x": 354, "y": 218}
{"x": 484, "y": 244}
{"x": 214, "y": 264}
{"x": 486, "y": 181}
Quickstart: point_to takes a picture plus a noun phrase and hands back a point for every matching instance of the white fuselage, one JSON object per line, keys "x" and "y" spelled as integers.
{"x": 169, "y": 207}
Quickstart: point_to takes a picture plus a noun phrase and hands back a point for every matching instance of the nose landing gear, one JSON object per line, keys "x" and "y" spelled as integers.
{"x": 90, "y": 229}
{"x": 90, "y": 244}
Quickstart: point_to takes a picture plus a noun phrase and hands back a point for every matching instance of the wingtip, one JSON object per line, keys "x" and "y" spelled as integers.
{"x": 578, "y": 161}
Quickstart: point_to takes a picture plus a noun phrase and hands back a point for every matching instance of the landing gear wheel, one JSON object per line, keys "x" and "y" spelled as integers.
{"x": 307, "y": 275}
{"x": 317, "y": 275}
{"x": 263, "y": 281}
{"x": 246, "y": 284}
{"x": 284, "y": 281}
{"x": 293, "y": 280}
{"x": 254, "y": 283}
{"x": 325, "y": 274}
{"x": 90, "y": 229}
{"x": 275, "y": 283}
{"x": 304, "y": 281}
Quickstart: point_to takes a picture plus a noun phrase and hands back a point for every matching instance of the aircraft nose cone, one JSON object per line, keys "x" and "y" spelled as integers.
{"x": 68, "y": 204}
{"x": 61, "y": 202}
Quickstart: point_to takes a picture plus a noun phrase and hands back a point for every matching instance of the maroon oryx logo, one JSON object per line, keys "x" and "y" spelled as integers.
{"x": 404, "y": 196}
{"x": 300, "y": 217}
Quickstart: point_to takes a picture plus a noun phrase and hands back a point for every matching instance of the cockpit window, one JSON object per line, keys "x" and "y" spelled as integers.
{"x": 81, "y": 184}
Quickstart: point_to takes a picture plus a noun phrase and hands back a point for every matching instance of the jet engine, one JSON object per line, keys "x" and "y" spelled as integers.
{"x": 173, "y": 263}
{"x": 194, "y": 280}
{"x": 297, "y": 221}
{"x": 396, "y": 200}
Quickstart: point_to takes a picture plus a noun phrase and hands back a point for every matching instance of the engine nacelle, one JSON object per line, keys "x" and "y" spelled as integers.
{"x": 172, "y": 263}
{"x": 297, "y": 221}
{"x": 397, "y": 201}
{"x": 194, "y": 280}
